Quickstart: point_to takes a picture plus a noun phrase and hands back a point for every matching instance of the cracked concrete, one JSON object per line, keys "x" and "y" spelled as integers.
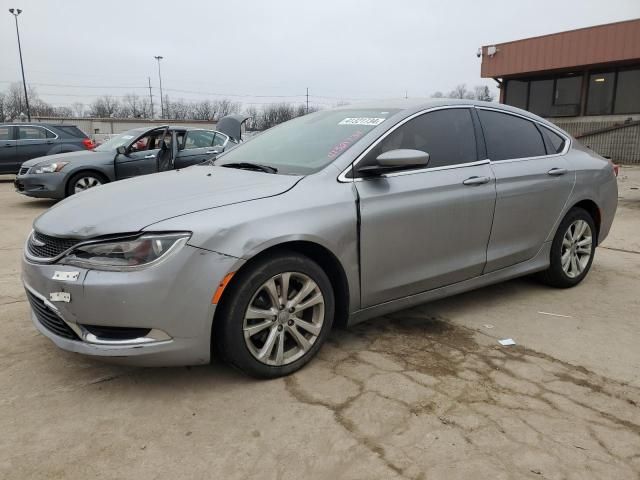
{"x": 425, "y": 393}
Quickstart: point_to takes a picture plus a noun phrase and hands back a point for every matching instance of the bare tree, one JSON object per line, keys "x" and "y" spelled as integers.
{"x": 78, "y": 109}
{"x": 105, "y": 107}
{"x": 62, "y": 111}
{"x": 461, "y": 92}
{"x": 134, "y": 107}
{"x": 437, "y": 94}
{"x": 253, "y": 121}
{"x": 3, "y": 115}
{"x": 483, "y": 93}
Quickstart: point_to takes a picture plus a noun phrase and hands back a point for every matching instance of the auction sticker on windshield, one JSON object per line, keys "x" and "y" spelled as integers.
{"x": 362, "y": 121}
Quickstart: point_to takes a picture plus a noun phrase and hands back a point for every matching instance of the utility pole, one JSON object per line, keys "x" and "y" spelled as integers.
{"x": 307, "y": 99}
{"x": 150, "y": 97}
{"x": 158, "y": 58}
{"x": 15, "y": 13}
{"x": 406, "y": 94}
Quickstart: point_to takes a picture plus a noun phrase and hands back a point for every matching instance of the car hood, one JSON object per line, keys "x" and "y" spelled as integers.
{"x": 130, "y": 205}
{"x": 73, "y": 157}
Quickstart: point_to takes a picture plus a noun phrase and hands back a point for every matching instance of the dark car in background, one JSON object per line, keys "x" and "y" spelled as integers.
{"x": 24, "y": 141}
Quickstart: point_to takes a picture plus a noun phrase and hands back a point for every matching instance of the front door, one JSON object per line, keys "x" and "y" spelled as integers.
{"x": 533, "y": 184}
{"x": 141, "y": 157}
{"x": 426, "y": 228}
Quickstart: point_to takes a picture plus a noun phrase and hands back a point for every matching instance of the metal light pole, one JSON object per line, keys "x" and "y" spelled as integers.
{"x": 15, "y": 13}
{"x": 158, "y": 58}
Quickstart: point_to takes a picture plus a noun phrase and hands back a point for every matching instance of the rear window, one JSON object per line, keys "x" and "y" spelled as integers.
{"x": 556, "y": 141}
{"x": 508, "y": 136}
{"x": 72, "y": 131}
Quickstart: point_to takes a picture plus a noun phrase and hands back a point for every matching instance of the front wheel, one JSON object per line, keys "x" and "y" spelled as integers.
{"x": 82, "y": 181}
{"x": 275, "y": 317}
{"x": 572, "y": 250}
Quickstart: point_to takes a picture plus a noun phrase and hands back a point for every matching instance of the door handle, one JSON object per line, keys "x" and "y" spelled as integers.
{"x": 149, "y": 156}
{"x": 556, "y": 172}
{"x": 7, "y": 145}
{"x": 476, "y": 180}
{"x": 211, "y": 151}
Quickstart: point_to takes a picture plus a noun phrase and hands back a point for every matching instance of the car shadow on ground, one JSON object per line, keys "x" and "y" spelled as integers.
{"x": 419, "y": 328}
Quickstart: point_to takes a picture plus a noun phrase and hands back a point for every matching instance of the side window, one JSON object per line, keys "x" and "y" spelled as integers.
{"x": 31, "y": 133}
{"x": 555, "y": 141}
{"x": 198, "y": 139}
{"x": 508, "y": 136}
{"x": 50, "y": 134}
{"x": 219, "y": 140}
{"x": 5, "y": 133}
{"x": 446, "y": 135}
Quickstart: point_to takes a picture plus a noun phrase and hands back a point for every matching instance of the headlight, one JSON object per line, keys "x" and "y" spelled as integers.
{"x": 48, "y": 167}
{"x": 127, "y": 254}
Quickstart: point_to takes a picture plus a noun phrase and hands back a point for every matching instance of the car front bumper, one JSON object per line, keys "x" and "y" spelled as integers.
{"x": 171, "y": 302}
{"x": 41, "y": 185}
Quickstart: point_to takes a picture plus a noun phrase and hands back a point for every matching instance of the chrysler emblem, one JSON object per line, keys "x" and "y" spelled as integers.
{"x": 37, "y": 243}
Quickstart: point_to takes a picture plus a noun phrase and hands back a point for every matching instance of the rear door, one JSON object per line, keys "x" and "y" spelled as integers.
{"x": 33, "y": 141}
{"x": 8, "y": 159}
{"x": 426, "y": 228}
{"x": 533, "y": 183}
{"x": 198, "y": 146}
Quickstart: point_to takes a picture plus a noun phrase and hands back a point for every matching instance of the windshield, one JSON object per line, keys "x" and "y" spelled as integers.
{"x": 307, "y": 144}
{"x": 120, "y": 140}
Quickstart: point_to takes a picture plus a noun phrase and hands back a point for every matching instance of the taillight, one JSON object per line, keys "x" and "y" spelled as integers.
{"x": 616, "y": 168}
{"x": 88, "y": 144}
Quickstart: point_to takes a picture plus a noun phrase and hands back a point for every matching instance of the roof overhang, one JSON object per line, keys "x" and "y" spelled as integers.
{"x": 599, "y": 45}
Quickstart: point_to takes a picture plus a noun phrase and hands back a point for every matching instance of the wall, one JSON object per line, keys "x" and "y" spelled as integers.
{"x": 110, "y": 126}
{"x": 621, "y": 145}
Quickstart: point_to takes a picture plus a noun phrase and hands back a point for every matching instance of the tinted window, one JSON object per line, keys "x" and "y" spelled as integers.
{"x": 600, "y": 97}
{"x": 555, "y": 140}
{"x": 5, "y": 133}
{"x": 516, "y": 93}
{"x": 568, "y": 91}
{"x": 541, "y": 97}
{"x": 628, "y": 92}
{"x": 198, "y": 139}
{"x": 72, "y": 131}
{"x": 508, "y": 136}
{"x": 446, "y": 135}
{"x": 31, "y": 133}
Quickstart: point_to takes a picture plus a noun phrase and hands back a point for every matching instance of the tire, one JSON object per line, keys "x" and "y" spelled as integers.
{"x": 564, "y": 243}
{"x": 240, "y": 340}
{"x": 90, "y": 177}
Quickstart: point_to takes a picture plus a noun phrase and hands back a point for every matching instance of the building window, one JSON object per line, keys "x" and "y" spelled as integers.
{"x": 517, "y": 93}
{"x": 600, "y": 96}
{"x": 541, "y": 97}
{"x": 628, "y": 92}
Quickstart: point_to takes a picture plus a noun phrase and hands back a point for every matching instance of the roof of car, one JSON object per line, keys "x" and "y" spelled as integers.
{"x": 410, "y": 105}
{"x": 37, "y": 124}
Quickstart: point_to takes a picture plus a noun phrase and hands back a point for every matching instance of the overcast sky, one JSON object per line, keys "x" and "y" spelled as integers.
{"x": 262, "y": 50}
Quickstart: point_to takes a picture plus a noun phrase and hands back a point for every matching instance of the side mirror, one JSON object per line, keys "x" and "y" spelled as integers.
{"x": 121, "y": 150}
{"x": 394, "y": 160}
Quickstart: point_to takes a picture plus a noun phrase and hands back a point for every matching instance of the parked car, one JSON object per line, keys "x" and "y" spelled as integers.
{"x": 329, "y": 219}
{"x": 135, "y": 152}
{"x": 24, "y": 141}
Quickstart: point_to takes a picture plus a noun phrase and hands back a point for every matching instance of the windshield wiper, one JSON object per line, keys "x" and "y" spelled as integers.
{"x": 251, "y": 166}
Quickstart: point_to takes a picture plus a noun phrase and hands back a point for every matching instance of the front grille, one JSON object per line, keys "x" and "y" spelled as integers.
{"x": 23, "y": 170}
{"x": 50, "y": 319}
{"x": 51, "y": 246}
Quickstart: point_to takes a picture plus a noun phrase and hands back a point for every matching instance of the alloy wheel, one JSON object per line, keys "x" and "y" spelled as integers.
{"x": 284, "y": 318}
{"x": 576, "y": 248}
{"x": 85, "y": 183}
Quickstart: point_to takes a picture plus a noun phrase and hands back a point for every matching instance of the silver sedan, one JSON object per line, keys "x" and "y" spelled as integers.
{"x": 329, "y": 219}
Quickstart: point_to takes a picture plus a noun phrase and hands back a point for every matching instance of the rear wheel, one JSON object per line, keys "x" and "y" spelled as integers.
{"x": 82, "y": 181}
{"x": 572, "y": 250}
{"x": 275, "y": 317}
